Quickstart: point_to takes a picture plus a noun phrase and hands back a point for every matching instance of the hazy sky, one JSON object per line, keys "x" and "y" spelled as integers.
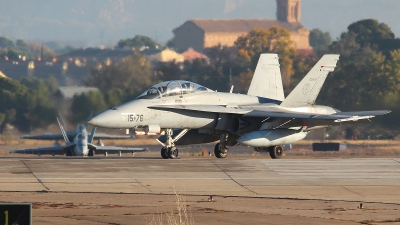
{"x": 91, "y": 22}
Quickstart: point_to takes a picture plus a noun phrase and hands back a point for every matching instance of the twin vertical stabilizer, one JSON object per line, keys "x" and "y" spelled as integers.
{"x": 267, "y": 79}
{"x": 306, "y": 92}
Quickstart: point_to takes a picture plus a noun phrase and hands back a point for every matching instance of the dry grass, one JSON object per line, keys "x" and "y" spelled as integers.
{"x": 182, "y": 215}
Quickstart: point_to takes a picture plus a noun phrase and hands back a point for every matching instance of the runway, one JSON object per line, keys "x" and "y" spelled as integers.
{"x": 344, "y": 181}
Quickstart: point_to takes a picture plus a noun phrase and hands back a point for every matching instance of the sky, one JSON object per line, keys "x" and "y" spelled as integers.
{"x": 86, "y": 23}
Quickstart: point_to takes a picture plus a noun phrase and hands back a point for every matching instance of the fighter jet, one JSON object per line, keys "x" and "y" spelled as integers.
{"x": 188, "y": 113}
{"x": 80, "y": 146}
{"x": 72, "y": 134}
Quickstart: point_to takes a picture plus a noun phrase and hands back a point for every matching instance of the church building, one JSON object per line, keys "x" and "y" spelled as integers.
{"x": 202, "y": 34}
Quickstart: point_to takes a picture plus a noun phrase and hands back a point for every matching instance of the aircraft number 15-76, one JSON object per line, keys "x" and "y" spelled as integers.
{"x": 135, "y": 118}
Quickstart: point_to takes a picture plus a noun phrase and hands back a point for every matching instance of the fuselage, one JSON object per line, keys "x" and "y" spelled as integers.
{"x": 137, "y": 112}
{"x": 81, "y": 144}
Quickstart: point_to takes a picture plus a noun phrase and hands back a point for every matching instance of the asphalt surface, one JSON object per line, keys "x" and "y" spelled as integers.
{"x": 115, "y": 190}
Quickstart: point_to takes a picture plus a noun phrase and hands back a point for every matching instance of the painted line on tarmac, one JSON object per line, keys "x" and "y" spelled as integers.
{"x": 40, "y": 181}
{"x": 233, "y": 179}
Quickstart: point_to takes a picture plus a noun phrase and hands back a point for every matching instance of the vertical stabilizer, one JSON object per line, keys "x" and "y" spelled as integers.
{"x": 90, "y": 140}
{"x": 267, "y": 79}
{"x": 306, "y": 92}
{"x": 63, "y": 132}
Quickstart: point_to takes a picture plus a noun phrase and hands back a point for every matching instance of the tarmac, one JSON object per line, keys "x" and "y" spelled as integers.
{"x": 244, "y": 189}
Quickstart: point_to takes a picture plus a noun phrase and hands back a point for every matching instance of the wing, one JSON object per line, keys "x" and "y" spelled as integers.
{"x": 43, "y": 137}
{"x": 204, "y": 108}
{"x": 56, "y": 150}
{"x": 337, "y": 117}
{"x": 109, "y": 136}
{"x": 116, "y": 149}
{"x": 264, "y": 111}
{"x": 71, "y": 136}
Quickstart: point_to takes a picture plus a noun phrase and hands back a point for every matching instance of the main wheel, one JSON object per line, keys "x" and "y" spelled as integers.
{"x": 69, "y": 152}
{"x": 173, "y": 152}
{"x": 220, "y": 153}
{"x": 164, "y": 153}
{"x": 276, "y": 151}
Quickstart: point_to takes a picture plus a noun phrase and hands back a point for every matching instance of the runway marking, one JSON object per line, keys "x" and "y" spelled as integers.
{"x": 233, "y": 179}
{"x": 40, "y": 181}
{"x": 143, "y": 185}
{"x": 396, "y": 160}
{"x": 352, "y": 191}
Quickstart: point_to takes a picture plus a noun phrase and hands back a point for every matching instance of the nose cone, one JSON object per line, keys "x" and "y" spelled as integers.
{"x": 92, "y": 121}
{"x": 107, "y": 119}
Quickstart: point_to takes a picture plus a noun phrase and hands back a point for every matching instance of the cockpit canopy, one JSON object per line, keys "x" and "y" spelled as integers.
{"x": 173, "y": 87}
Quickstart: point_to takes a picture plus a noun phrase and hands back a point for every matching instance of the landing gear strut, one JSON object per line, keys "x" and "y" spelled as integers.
{"x": 169, "y": 151}
{"x": 220, "y": 150}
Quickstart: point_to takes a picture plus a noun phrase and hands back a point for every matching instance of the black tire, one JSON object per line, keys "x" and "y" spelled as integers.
{"x": 69, "y": 152}
{"x": 164, "y": 153}
{"x": 276, "y": 151}
{"x": 91, "y": 152}
{"x": 173, "y": 153}
{"x": 220, "y": 153}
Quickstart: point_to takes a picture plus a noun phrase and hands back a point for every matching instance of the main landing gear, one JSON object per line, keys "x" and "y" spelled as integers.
{"x": 169, "y": 151}
{"x": 220, "y": 149}
{"x": 275, "y": 152}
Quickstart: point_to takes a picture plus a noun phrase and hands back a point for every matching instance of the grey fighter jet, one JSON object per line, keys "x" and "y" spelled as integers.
{"x": 188, "y": 113}
{"x": 80, "y": 146}
{"x": 72, "y": 134}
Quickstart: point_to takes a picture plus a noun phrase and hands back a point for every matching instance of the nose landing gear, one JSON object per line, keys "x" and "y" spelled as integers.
{"x": 169, "y": 151}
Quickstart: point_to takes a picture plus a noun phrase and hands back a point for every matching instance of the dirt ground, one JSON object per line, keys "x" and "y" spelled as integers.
{"x": 105, "y": 208}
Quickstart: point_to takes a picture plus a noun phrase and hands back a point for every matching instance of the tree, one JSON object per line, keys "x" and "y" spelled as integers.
{"x": 170, "y": 43}
{"x": 11, "y": 54}
{"x": 133, "y": 75}
{"x": 138, "y": 42}
{"x": 26, "y": 104}
{"x": 370, "y": 32}
{"x": 11, "y": 94}
{"x": 114, "y": 97}
{"x": 6, "y": 43}
{"x": 37, "y": 108}
{"x": 273, "y": 40}
{"x": 84, "y": 104}
{"x": 320, "y": 40}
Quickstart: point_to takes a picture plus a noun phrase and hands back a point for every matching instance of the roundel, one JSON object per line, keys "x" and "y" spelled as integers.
{"x": 306, "y": 88}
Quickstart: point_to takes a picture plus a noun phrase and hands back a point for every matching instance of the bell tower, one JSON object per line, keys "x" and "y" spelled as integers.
{"x": 288, "y": 11}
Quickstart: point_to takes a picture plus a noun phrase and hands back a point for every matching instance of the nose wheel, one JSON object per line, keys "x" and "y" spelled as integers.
{"x": 164, "y": 153}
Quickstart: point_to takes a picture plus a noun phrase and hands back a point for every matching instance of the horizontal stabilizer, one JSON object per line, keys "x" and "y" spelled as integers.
{"x": 56, "y": 150}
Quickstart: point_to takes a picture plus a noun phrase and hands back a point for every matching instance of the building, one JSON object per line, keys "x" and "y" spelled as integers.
{"x": 202, "y": 34}
{"x": 191, "y": 55}
{"x": 167, "y": 55}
